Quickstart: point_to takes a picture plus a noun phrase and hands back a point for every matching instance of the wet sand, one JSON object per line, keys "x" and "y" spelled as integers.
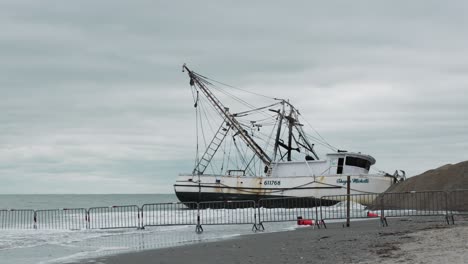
{"x": 416, "y": 240}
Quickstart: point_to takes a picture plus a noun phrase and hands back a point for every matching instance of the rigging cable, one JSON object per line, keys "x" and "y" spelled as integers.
{"x": 240, "y": 100}
{"x": 230, "y": 86}
{"x": 241, "y": 157}
{"x": 323, "y": 140}
{"x": 195, "y": 99}
{"x": 256, "y": 109}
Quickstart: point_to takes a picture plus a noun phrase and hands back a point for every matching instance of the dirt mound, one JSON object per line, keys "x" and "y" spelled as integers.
{"x": 412, "y": 193}
{"x": 446, "y": 178}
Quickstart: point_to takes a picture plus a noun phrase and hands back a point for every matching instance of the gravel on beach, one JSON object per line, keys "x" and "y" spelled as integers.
{"x": 405, "y": 240}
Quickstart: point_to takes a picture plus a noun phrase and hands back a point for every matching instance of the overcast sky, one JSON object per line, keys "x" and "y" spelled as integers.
{"x": 93, "y": 99}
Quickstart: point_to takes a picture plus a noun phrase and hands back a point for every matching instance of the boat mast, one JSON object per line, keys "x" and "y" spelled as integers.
{"x": 278, "y": 133}
{"x": 291, "y": 122}
{"x": 224, "y": 111}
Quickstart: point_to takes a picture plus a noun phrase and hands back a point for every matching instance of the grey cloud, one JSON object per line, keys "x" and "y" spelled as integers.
{"x": 93, "y": 94}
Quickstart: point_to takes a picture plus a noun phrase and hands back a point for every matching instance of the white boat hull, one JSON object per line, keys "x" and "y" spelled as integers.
{"x": 193, "y": 188}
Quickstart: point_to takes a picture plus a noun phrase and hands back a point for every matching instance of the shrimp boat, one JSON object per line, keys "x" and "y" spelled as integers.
{"x": 265, "y": 152}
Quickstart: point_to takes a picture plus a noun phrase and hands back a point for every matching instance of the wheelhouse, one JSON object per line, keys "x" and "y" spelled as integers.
{"x": 350, "y": 163}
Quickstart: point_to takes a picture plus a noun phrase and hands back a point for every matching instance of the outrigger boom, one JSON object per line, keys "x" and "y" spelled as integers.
{"x": 197, "y": 80}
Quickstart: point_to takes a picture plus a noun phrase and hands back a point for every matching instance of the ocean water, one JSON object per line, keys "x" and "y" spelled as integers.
{"x": 54, "y": 201}
{"x": 47, "y": 246}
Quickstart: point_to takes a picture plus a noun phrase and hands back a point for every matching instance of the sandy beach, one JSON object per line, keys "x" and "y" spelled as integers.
{"x": 416, "y": 240}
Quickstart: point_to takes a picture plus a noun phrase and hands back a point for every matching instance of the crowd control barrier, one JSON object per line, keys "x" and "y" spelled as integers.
{"x": 288, "y": 209}
{"x": 17, "y": 219}
{"x": 114, "y": 217}
{"x": 228, "y": 213}
{"x": 457, "y": 202}
{"x": 165, "y": 214}
{"x": 304, "y": 210}
{"x": 353, "y": 206}
{"x": 412, "y": 204}
{"x": 71, "y": 219}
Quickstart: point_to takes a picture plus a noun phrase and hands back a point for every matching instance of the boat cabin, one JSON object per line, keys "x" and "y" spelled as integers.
{"x": 346, "y": 163}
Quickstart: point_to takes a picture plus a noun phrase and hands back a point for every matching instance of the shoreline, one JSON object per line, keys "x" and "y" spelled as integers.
{"x": 404, "y": 240}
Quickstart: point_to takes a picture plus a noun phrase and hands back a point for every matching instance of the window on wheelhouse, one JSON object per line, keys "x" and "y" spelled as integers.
{"x": 358, "y": 162}
{"x": 339, "y": 169}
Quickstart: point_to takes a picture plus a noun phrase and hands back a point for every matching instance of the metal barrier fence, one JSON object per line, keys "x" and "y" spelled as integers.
{"x": 308, "y": 209}
{"x": 228, "y": 213}
{"x": 353, "y": 206}
{"x": 430, "y": 203}
{"x": 288, "y": 209}
{"x": 72, "y": 219}
{"x": 457, "y": 202}
{"x": 17, "y": 219}
{"x": 164, "y": 214}
{"x": 114, "y": 217}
